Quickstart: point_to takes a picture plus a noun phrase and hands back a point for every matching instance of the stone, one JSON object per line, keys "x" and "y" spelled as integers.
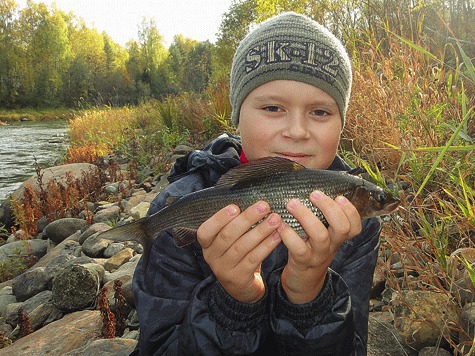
{"x": 379, "y": 281}
{"x": 36, "y": 248}
{"x": 31, "y": 283}
{"x": 113, "y": 249}
{"x": 73, "y": 331}
{"x": 382, "y": 338}
{"x": 112, "y": 188}
{"x": 75, "y": 287}
{"x": 44, "y": 314}
{"x": 66, "y": 248}
{"x": 463, "y": 288}
{"x": 109, "y": 214}
{"x": 104, "y": 347}
{"x": 119, "y": 259}
{"x": 93, "y": 229}
{"x": 434, "y": 351}
{"x": 11, "y": 312}
{"x": 95, "y": 246}
{"x": 6, "y": 298}
{"x": 140, "y": 211}
{"x": 421, "y": 317}
{"x": 58, "y": 230}
{"x": 127, "y": 269}
{"x": 467, "y": 323}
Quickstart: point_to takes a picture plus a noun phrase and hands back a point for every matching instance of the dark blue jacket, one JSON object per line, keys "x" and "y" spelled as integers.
{"x": 183, "y": 310}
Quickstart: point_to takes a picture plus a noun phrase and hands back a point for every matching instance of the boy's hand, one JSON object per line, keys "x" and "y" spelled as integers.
{"x": 235, "y": 252}
{"x": 306, "y": 269}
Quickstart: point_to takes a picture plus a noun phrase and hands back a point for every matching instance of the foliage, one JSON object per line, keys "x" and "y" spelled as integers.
{"x": 54, "y": 199}
{"x": 108, "y": 318}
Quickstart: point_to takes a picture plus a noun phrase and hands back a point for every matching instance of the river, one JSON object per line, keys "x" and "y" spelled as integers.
{"x": 21, "y": 142}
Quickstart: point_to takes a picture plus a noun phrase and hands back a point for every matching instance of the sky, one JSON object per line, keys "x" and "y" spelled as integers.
{"x": 195, "y": 19}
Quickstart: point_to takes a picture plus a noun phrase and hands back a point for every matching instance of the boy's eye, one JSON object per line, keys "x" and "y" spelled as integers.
{"x": 271, "y": 108}
{"x": 320, "y": 112}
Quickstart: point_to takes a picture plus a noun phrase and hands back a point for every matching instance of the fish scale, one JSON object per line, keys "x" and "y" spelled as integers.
{"x": 274, "y": 180}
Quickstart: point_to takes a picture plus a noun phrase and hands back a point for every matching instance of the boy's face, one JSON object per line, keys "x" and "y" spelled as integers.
{"x": 290, "y": 119}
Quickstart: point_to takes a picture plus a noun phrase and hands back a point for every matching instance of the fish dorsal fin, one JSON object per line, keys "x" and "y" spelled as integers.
{"x": 256, "y": 169}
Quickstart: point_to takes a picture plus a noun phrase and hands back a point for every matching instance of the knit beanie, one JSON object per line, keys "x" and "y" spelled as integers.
{"x": 290, "y": 46}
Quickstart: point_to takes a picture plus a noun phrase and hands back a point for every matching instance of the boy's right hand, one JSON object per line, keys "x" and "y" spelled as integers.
{"x": 235, "y": 251}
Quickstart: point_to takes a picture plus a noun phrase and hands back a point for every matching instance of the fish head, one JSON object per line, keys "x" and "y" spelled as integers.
{"x": 371, "y": 201}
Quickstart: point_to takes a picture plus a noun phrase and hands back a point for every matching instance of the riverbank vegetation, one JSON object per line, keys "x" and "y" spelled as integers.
{"x": 410, "y": 122}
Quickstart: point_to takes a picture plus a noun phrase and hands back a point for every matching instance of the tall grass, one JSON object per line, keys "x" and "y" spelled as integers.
{"x": 412, "y": 118}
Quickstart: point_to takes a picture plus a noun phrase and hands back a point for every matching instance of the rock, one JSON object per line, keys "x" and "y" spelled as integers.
{"x": 127, "y": 269}
{"x": 58, "y": 263}
{"x": 382, "y": 338}
{"x": 60, "y": 229}
{"x": 463, "y": 288}
{"x": 73, "y": 331}
{"x": 75, "y": 287}
{"x": 31, "y": 283}
{"x": 93, "y": 229}
{"x": 467, "y": 323}
{"x": 379, "y": 281}
{"x": 113, "y": 248}
{"x": 44, "y": 314}
{"x": 112, "y": 188}
{"x": 109, "y": 214}
{"x": 11, "y": 312}
{"x": 95, "y": 246}
{"x": 421, "y": 317}
{"x": 66, "y": 248}
{"x": 35, "y": 248}
{"x": 136, "y": 200}
{"x": 119, "y": 259}
{"x": 6, "y": 298}
{"x": 103, "y": 347}
{"x": 140, "y": 211}
{"x": 434, "y": 351}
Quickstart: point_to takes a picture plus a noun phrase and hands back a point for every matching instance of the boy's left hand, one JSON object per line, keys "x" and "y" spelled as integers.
{"x": 306, "y": 269}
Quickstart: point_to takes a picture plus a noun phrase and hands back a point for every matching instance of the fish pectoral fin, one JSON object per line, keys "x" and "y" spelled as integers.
{"x": 183, "y": 236}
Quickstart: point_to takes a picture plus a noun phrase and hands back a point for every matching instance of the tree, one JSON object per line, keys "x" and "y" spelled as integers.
{"x": 9, "y": 84}
{"x": 48, "y": 53}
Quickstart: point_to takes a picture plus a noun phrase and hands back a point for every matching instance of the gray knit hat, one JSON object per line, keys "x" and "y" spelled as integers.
{"x": 290, "y": 46}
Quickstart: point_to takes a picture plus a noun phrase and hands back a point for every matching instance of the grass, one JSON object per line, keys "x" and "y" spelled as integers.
{"x": 31, "y": 114}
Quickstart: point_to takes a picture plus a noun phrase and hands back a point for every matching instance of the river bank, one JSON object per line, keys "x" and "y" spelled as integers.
{"x": 70, "y": 319}
{"x": 36, "y": 115}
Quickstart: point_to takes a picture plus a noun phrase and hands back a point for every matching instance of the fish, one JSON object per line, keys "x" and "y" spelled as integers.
{"x": 275, "y": 180}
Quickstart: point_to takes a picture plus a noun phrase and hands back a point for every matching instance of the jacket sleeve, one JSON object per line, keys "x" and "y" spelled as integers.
{"x": 323, "y": 326}
{"x": 184, "y": 311}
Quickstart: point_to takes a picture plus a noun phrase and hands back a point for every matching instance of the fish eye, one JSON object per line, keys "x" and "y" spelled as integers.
{"x": 381, "y": 197}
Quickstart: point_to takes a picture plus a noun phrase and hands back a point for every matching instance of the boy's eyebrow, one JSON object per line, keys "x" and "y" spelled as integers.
{"x": 317, "y": 101}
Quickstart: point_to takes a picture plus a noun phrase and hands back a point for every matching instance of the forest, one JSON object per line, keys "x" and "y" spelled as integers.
{"x": 52, "y": 59}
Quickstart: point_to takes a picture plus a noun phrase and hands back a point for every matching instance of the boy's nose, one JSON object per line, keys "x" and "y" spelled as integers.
{"x": 296, "y": 127}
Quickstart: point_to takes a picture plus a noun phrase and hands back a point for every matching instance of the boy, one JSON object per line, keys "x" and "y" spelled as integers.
{"x": 265, "y": 290}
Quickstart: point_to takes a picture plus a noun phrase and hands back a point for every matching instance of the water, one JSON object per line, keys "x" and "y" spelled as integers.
{"x": 21, "y": 142}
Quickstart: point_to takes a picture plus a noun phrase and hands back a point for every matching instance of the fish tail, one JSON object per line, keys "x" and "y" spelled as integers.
{"x": 127, "y": 232}
{"x": 135, "y": 231}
